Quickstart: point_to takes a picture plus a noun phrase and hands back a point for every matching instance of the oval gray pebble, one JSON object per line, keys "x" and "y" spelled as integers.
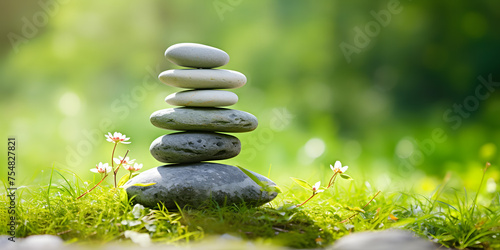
{"x": 43, "y": 241}
{"x": 196, "y": 184}
{"x": 196, "y": 55}
{"x": 204, "y": 119}
{"x": 202, "y": 98}
{"x": 203, "y": 78}
{"x": 382, "y": 240}
{"x": 189, "y": 147}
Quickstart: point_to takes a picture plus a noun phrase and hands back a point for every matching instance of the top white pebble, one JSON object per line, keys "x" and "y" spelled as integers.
{"x": 196, "y": 55}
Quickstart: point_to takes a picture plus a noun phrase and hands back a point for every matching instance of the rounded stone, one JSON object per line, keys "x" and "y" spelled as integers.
{"x": 204, "y": 119}
{"x": 186, "y": 147}
{"x": 203, "y": 78}
{"x": 198, "y": 184}
{"x": 196, "y": 55}
{"x": 381, "y": 240}
{"x": 202, "y": 98}
{"x": 44, "y": 241}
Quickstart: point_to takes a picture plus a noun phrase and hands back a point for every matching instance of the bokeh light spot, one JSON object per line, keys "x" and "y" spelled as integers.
{"x": 404, "y": 148}
{"x": 488, "y": 151}
{"x": 69, "y": 104}
{"x": 491, "y": 186}
{"x": 314, "y": 148}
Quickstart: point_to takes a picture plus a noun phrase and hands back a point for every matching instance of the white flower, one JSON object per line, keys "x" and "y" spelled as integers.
{"x": 123, "y": 161}
{"x": 101, "y": 168}
{"x": 338, "y": 167}
{"x": 117, "y": 137}
{"x": 316, "y": 188}
{"x": 135, "y": 167}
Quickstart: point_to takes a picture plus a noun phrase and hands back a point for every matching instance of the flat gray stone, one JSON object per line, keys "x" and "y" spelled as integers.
{"x": 204, "y": 119}
{"x": 196, "y": 55}
{"x": 196, "y": 184}
{"x": 202, "y": 98}
{"x": 382, "y": 240}
{"x": 203, "y": 78}
{"x": 186, "y": 147}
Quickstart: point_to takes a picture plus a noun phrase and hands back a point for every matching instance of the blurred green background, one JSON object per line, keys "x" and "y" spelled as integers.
{"x": 397, "y": 90}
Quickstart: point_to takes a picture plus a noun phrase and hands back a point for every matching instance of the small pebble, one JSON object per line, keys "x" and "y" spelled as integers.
{"x": 383, "y": 240}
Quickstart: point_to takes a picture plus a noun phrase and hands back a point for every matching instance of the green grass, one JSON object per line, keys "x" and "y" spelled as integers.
{"x": 449, "y": 217}
{"x": 456, "y": 220}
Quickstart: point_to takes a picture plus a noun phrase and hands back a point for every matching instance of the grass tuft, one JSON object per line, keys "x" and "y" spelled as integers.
{"x": 447, "y": 216}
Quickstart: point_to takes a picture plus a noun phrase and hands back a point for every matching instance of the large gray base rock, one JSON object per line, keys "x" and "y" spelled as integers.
{"x": 382, "y": 240}
{"x": 204, "y": 119}
{"x": 189, "y": 147}
{"x": 197, "y": 184}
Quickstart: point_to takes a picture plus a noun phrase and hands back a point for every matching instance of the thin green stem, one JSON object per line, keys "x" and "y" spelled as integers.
{"x": 112, "y": 160}
{"x": 88, "y": 191}
{"x": 115, "y": 171}
{"x": 332, "y": 180}
{"x": 352, "y": 216}
{"x": 314, "y": 194}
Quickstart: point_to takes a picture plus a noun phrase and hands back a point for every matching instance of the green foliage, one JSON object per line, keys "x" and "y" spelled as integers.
{"x": 265, "y": 186}
{"x": 456, "y": 222}
{"x": 102, "y": 216}
{"x": 143, "y": 184}
{"x": 452, "y": 223}
{"x": 345, "y": 176}
{"x": 302, "y": 183}
{"x": 125, "y": 178}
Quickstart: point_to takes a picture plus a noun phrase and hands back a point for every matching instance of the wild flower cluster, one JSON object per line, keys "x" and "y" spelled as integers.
{"x": 104, "y": 169}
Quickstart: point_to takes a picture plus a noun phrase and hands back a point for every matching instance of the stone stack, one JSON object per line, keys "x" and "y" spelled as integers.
{"x": 189, "y": 180}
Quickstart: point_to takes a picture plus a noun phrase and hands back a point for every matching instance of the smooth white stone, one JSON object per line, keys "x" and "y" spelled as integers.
{"x": 196, "y": 55}
{"x": 202, "y": 98}
{"x": 203, "y": 78}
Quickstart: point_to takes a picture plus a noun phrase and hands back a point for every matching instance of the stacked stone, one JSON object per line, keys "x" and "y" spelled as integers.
{"x": 201, "y": 107}
{"x": 190, "y": 180}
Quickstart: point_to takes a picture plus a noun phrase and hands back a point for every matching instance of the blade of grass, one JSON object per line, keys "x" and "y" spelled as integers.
{"x": 438, "y": 193}
{"x": 72, "y": 193}
{"x": 480, "y": 185}
{"x": 442, "y": 202}
{"x": 48, "y": 188}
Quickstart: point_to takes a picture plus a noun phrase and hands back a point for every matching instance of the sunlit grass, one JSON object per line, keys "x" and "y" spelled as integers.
{"x": 447, "y": 216}
{"x": 456, "y": 220}
{"x": 100, "y": 217}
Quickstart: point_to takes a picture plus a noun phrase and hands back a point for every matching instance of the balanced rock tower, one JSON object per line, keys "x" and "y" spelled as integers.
{"x": 189, "y": 180}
